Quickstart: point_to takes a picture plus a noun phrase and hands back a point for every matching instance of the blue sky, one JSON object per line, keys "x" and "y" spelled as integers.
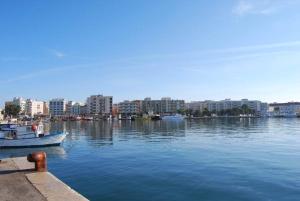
{"x": 131, "y": 49}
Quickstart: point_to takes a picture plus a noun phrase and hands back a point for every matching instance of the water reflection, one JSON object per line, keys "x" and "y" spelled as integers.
{"x": 84, "y": 134}
{"x": 55, "y": 151}
{"x": 105, "y": 131}
{"x": 151, "y": 128}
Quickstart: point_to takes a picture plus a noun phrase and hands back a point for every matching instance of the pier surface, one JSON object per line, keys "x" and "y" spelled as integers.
{"x": 18, "y": 181}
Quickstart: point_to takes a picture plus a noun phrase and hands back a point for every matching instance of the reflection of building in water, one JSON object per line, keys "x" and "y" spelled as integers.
{"x": 157, "y": 128}
{"x": 56, "y": 127}
{"x": 228, "y": 126}
{"x": 97, "y": 132}
{"x": 100, "y": 130}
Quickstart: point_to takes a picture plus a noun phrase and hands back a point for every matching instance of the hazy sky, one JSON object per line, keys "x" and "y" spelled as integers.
{"x": 131, "y": 49}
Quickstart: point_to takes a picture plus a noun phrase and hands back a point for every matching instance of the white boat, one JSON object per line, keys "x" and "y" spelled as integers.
{"x": 175, "y": 117}
{"x": 14, "y": 136}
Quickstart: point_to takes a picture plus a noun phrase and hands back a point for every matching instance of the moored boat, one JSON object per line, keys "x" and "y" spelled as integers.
{"x": 15, "y": 136}
{"x": 156, "y": 117}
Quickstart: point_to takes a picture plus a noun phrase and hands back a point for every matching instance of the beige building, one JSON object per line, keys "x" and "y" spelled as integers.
{"x": 34, "y": 107}
{"x": 46, "y": 109}
{"x": 217, "y": 106}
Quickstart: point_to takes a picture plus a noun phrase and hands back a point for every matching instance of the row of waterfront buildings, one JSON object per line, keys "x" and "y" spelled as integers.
{"x": 104, "y": 106}
{"x": 259, "y": 107}
{"x": 96, "y": 105}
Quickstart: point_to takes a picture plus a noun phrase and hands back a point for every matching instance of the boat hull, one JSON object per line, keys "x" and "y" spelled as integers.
{"x": 50, "y": 140}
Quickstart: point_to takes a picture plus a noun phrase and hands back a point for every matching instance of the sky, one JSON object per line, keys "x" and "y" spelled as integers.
{"x": 132, "y": 49}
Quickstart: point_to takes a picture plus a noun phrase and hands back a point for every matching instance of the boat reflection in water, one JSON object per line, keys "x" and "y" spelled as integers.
{"x": 55, "y": 151}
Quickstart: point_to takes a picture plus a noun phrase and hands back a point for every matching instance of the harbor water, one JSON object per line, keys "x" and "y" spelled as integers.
{"x": 210, "y": 159}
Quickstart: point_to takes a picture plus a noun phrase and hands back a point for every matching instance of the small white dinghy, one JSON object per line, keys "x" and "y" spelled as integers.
{"x": 14, "y": 136}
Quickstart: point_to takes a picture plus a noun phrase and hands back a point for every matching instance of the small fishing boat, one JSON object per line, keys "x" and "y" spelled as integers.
{"x": 156, "y": 117}
{"x": 15, "y": 136}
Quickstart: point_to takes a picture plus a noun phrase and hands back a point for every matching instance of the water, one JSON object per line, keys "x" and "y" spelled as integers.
{"x": 224, "y": 159}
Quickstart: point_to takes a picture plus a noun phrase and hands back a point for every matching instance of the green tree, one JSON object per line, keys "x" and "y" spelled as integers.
{"x": 197, "y": 113}
{"x": 12, "y": 110}
{"x": 189, "y": 112}
{"x": 181, "y": 111}
{"x": 206, "y": 112}
{"x": 245, "y": 109}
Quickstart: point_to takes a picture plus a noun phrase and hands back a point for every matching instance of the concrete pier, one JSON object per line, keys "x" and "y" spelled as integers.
{"x": 19, "y": 181}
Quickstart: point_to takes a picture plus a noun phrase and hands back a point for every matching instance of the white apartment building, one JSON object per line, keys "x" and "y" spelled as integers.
{"x": 99, "y": 104}
{"x": 196, "y": 105}
{"x": 217, "y": 106}
{"x": 20, "y": 102}
{"x": 290, "y": 109}
{"x": 34, "y": 107}
{"x": 163, "y": 106}
{"x": 57, "y": 107}
{"x": 129, "y": 107}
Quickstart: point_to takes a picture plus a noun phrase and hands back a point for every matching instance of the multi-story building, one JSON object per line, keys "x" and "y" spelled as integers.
{"x": 176, "y": 106}
{"x": 46, "y": 108}
{"x": 128, "y": 107}
{"x": 151, "y": 106}
{"x": 139, "y": 106}
{"x": 20, "y": 102}
{"x": 216, "y": 106}
{"x": 163, "y": 106}
{"x": 290, "y": 109}
{"x": 69, "y": 106}
{"x": 57, "y": 107}
{"x": 166, "y": 105}
{"x": 34, "y": 107}
{"x": 83, "y": 109}
{"x": 99, "y": 104}
{"x": 196, "y": 106}
{"x": 76, "y": 109}
{"x": 115, "y": 110}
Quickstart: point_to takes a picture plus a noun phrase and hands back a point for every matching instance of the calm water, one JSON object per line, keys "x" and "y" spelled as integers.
{"x": 215, "y": 160}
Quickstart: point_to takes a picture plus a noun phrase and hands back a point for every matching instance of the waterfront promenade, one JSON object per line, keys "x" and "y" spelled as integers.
{"x": 19, "y": 181}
